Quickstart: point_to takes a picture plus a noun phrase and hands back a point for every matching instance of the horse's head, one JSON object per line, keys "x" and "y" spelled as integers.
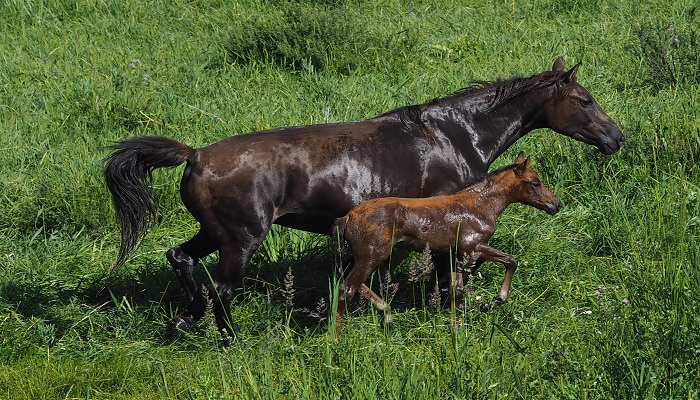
{"x": 575, "y": 113}
{"x": 529, "y": 188}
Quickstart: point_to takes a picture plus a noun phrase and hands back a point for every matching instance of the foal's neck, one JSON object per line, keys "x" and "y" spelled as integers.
{"x": 496, "y": 192}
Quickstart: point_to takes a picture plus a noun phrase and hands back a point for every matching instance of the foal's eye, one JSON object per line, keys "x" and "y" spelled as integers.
{"x": 536, "y": 183}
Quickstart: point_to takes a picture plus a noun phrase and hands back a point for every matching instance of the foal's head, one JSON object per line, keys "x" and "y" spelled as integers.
{"x": 528, "y": 188}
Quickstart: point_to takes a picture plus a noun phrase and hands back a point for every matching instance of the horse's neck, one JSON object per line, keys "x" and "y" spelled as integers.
{"x": 491, "y": 132}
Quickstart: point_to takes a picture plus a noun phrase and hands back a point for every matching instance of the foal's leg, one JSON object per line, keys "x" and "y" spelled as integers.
{"x": 451, "y": 285}
{"x": 465, "y": 269}
{"x": 489, "y": 253}
{"x": 378, "y": 303}
{"x": 365, "y": 264}
{"x": 456, "y": 289}
{"x": 368, "y": 294}
{"x": 183, "y": 259}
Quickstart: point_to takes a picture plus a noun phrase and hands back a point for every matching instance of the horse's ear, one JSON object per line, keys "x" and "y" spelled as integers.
{"x": 527, "y": 163}
{"x": 558, "y": 65}
{"x": 570, "y": 75}
{"x": 520, "y": 158}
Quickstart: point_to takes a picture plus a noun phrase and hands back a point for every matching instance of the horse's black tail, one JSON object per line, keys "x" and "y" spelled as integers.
{"x": 128, "y": 173}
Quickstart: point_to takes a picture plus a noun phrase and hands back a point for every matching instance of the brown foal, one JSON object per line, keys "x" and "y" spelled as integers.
{"x": 460, "y": 223}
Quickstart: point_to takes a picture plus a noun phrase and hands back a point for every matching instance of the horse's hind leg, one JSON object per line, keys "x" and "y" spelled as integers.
{"x": 183, "y": 259}
{"x": 235, "y": 249}
{"x": 367, "y": 258}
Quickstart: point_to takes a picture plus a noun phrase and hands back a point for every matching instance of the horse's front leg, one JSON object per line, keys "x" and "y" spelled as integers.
{"x": 489, "y": 253}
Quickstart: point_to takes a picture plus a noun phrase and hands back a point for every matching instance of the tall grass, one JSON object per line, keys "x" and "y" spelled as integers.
{"x": 603, "y": 304}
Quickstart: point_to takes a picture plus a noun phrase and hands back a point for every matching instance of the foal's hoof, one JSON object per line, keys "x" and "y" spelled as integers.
{"x": 388, "y": 322}
{"x": 488, "y": 306}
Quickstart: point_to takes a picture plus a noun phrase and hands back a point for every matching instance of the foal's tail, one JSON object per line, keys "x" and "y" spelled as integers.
{"x": 128, "y": 173}
{"x": 338, "y": 234}
{"x": 338, "y": 229}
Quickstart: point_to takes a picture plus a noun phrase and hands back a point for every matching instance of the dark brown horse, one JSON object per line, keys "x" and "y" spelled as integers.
{"x": 454, "y": 224}
{"x": 305, "y": 177}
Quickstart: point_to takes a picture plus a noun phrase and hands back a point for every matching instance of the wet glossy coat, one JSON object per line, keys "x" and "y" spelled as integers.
{"x": 305, "y": 177}
{"x": 460, "y": 223}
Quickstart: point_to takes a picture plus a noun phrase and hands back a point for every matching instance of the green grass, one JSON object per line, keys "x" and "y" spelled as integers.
{"x": 77, "y": 75}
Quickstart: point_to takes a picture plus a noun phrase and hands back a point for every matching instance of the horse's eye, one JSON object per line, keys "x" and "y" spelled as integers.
{"x": 536, "y": 183}
{"x": 585, "y": 102}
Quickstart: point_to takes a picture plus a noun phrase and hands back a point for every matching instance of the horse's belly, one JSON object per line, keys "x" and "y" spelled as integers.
{"x": 316, "y": 222}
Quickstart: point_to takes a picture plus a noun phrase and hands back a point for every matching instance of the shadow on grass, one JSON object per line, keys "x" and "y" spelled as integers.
{"x": 146, "y": 294}
{"x": 41, "y": 296}
{"x": 150, "y": 288}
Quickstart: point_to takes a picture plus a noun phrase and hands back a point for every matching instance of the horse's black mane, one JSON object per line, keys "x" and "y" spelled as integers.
{"x": 505, "y": 89}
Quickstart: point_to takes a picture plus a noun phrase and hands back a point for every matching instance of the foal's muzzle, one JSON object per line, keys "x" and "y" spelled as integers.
{"x": 553, "y": 207}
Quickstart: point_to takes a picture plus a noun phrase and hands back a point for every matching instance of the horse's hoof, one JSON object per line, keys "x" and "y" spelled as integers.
{"x": 180, "y": 324}
{"x": 229, "y": 341}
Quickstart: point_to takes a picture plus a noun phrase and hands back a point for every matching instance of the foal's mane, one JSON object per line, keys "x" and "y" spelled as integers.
{"x": 488, "y": 180}
{"x": 505, "y": 90}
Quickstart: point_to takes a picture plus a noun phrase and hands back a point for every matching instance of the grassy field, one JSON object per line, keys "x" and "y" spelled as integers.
{"x": 603, "y": 305}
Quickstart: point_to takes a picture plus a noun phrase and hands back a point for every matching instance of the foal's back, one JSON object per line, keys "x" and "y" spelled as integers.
{"x": 416, "y": 221}
{"x": 435, "y": 221}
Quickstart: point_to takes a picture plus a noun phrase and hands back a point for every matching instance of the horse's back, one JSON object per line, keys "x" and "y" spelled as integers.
{"x": 313, "y": 172}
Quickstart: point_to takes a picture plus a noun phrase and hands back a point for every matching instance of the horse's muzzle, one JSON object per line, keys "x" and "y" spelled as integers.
{"x": 612, "y": 142}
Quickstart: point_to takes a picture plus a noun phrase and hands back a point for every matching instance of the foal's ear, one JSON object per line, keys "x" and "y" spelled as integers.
{"x": 558, "y": 65}
{"x": 521, "y": 164}
{"x": 570, "y": 75}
